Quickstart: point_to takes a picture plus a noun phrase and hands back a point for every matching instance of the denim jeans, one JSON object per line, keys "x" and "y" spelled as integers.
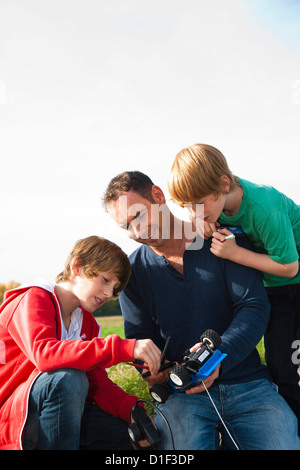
{"x": 59, "y": 419}
{"x": 257, "y": 417}
{"x": 283, "y": 329}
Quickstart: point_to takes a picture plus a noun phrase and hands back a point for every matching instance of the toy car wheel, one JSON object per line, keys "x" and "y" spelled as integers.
{"x": 160, "y": 393}
{"x": 180, "y": 376}
{"x": 134, "y": 432}
{"x": 212, "y": 338}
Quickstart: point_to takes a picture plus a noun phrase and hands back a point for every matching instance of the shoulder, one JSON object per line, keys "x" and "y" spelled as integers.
{"x": 265, "y": 205}
{"x": 263, "y": 196}
{"x": 31, "y": 300}
{"x": 39, "y": 288}
{"x": 141, "y": 257}
{"x": 33, "y": 294}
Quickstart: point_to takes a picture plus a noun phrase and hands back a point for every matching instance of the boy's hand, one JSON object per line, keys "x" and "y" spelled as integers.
{"x": 221, "y": 247}
{"x": 148, "y": 352}
{"x": 210, "y": 229}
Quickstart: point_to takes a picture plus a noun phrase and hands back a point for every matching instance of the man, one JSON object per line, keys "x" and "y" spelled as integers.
{"x": 179, "y": 289}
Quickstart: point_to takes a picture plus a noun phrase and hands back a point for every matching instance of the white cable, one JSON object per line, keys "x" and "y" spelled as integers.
{"x": 220, "y": 417}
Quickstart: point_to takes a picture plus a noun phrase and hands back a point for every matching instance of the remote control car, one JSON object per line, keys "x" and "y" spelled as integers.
{"x": 196, "y": 367}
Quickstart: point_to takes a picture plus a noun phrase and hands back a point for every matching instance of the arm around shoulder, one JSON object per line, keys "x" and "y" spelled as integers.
{"x": 262, "y": 262}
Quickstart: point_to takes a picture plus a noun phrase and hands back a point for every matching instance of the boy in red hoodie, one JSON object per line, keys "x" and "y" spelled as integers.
{"x": 52, "y": 376}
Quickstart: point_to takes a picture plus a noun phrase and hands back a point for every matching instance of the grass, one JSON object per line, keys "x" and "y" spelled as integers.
{"x": 111, "y": 326}
{"x": 261, "y": 350}
{"x": 126, "y": 376}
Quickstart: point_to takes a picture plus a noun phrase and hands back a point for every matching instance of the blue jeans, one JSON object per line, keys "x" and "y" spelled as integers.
{"x": 59, "y": 419}
{"x": 257, "y": 417}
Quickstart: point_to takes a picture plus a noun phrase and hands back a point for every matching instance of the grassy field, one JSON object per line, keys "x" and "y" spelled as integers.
{"x": 127, "y": 376}
{"x": 111, "y": 326}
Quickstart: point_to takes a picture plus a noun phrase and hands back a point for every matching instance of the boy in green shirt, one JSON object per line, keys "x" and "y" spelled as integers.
{"x": 271, "y": 221}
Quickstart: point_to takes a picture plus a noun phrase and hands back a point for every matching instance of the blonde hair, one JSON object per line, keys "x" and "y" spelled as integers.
{"x": 196, "y": 173}
{"x": 95, "y": 254}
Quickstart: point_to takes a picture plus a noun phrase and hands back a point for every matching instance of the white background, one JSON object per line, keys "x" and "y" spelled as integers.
{"x": 90, "y": 88}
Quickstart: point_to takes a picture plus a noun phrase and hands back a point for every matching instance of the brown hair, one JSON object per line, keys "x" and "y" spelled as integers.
{"x": 128, "y": 181}
{"x": 95, "y": 254}
{"x": 196, "y": 173}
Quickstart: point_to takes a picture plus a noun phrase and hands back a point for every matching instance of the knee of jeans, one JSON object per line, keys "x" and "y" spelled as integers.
{"x": 73, "y": 381}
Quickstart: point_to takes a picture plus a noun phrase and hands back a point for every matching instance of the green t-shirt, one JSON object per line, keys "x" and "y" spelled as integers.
{"x": 271, "y": 222}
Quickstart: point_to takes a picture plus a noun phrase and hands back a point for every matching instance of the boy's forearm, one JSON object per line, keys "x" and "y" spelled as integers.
{"x": 264, "y": 263}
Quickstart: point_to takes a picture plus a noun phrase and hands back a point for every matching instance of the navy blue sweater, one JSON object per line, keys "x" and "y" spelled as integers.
{"x": 213, "y": 293}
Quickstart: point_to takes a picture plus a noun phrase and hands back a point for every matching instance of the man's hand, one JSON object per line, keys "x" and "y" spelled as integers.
{"x": 144, "y": 442}
{"x": 146, "y": 351}
{"x": 159, "y": 378}
{"x": 208, "y": 382}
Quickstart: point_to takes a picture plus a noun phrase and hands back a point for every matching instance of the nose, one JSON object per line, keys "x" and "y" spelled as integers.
{"x": 133, "y": 233}
{"x": 108, "y": 291}
{"x": 138, "y": 231}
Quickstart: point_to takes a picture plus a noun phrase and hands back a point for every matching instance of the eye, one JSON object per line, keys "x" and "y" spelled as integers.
{"x": 105, "y": 279}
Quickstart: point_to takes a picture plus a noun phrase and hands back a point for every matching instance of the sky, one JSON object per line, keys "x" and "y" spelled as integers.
{"x": 91, "y": 88}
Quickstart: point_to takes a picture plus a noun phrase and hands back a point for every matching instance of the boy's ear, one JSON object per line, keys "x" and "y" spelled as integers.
{"x": 224, "y": 184}
{"x": 75, "y": 268}
{"x": 158, "y": 195}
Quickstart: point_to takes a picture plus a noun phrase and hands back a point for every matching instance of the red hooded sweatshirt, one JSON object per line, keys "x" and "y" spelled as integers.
{"x": 30, "y": 344}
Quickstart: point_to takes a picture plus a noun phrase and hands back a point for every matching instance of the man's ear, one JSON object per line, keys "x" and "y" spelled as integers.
{"x": 158, "y": 195}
